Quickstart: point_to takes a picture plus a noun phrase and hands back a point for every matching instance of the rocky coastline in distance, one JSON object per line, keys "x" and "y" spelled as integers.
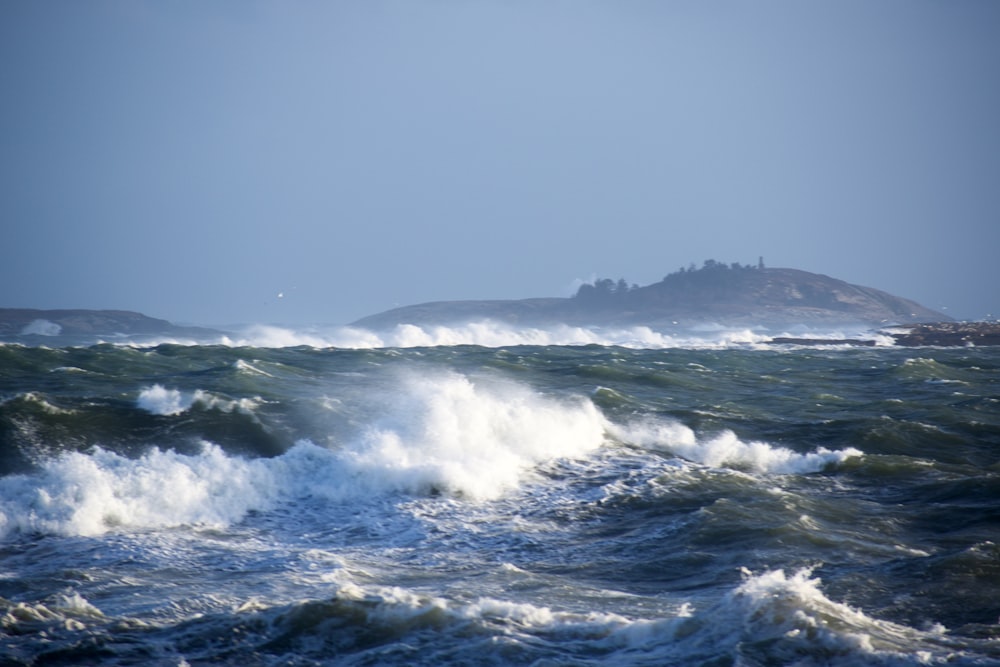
{"x": 70, "y": 325}
{"x": 733, "y": 296}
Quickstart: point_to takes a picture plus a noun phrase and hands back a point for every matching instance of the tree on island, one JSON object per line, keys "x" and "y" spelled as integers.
{"x": 604, "y": 290}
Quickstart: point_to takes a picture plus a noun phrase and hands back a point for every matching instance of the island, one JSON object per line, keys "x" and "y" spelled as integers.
{"x": 726, "y": 294}
{"x": 731, "y": 295}
{"x": 716, "y": 294}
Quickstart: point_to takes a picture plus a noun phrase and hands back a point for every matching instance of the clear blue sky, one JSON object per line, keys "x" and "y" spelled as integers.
{"x": 193, "y": 160}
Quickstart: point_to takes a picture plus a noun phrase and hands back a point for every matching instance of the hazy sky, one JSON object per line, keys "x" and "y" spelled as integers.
{"x": 193, "y": 160}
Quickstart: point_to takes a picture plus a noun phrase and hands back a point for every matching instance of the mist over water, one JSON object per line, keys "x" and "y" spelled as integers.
{"x": 564, "y": 501}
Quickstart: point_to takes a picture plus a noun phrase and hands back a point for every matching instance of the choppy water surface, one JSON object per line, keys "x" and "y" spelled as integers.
{"x": 505, "y": 504}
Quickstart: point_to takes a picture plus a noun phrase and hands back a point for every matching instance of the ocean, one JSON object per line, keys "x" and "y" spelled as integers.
{"x": 489, "y": 496}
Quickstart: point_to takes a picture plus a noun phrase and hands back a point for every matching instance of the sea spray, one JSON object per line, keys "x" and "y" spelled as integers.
{"x": 159, "y": 400}
{"x": 89, "y": 494}
{"x": 725, "y": 448}
{"x": 451, "y": 434}
{"x": 442, "y": 434}
{"x": 487, "y": 333}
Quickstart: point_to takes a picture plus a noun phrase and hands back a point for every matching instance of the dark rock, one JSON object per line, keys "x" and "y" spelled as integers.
{"x": 948, "y": 334}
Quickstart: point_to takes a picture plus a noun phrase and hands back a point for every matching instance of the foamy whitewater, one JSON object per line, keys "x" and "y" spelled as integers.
{"x": 488, "y": 495}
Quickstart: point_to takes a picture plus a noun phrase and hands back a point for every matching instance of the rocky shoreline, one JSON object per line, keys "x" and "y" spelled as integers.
{"x": 941, "y": 334}
{"x": 948, "y": 334}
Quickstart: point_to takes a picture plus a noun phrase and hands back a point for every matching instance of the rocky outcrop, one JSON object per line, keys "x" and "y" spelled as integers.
{"x": 949, "y": 334}
{"x": 937, "y": 334}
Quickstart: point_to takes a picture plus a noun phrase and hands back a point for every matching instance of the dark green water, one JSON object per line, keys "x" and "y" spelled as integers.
{"x": 549, "y": 505}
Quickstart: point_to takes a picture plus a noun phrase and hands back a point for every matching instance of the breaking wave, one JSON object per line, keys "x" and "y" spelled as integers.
{"x": 484, "y": 333}
{"x": 159, "y": 400}
{"x": 439, "y": 435}
{"x": 727, "y": 449}
{"x": 770, "y": 618}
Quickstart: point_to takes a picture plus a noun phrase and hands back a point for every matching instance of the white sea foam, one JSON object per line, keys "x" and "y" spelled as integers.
{"x": 789, "y": 619}
{"x": 249, "y": 369}
{"x": 727, "y": 449}
{"x": 488, "y": 334}
{"x": 771, "y": 618}
{"x": 40, "y": 401}
{"x": 261, "y": 335}
{"x": 448, "y": 434}
{"x": 451, "y": 434}
{"x": 160, "y": 400}
{"x": 445, "y": 434}
{"x": 88, "y": 494}
{"x": 68, "y": 610}
{"x": 399, "y": 607}
{"x": 41, "y": 328}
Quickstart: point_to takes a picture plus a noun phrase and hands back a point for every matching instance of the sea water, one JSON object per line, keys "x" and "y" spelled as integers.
{"x": 481, "y": 495}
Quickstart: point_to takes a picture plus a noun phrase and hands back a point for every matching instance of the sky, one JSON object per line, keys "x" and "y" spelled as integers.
{"x": 242, "y": 161}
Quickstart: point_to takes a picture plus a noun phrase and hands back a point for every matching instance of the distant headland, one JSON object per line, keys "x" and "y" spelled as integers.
{"x": 726, "y": 294}
{"x": 31, "y": 323}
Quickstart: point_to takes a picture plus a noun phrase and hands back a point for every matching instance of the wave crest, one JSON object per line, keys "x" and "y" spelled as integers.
{"x": 726, "y": 448}
{"x": 451, "y": 434}
{"x": 439, "y": 435}
{"x": 488, "y": 334}
{"x": 771, "y": 618}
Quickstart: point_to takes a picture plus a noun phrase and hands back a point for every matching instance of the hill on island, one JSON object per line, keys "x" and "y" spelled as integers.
{"x": 726, "y": 294}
